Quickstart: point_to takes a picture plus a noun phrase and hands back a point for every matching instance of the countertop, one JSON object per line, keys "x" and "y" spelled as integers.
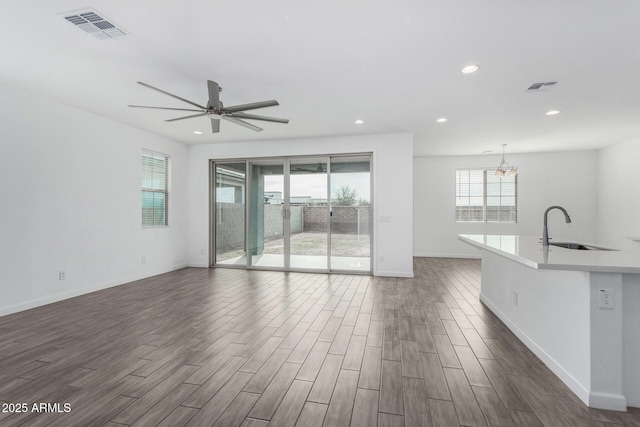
{"x": 528, "y": 250}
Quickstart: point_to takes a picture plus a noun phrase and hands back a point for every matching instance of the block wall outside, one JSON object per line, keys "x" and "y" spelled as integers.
{"x": 345, "y": 219}
{"x": 230, "y": 223}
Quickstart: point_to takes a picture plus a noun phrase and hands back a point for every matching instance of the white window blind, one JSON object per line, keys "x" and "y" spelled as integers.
{"x": 155, "y": 189}
{"x": 483, "y": 197}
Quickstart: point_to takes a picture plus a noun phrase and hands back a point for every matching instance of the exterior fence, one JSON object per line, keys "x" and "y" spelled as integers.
{"x": 345, "y": 220}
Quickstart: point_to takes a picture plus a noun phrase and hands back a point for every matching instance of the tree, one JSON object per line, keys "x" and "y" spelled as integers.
{"x": 346, "y": 196}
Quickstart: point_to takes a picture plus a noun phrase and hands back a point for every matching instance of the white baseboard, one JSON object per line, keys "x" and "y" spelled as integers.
{"x": 613, "y": 402}
{"x": 580, "y": 390}
{"x": 198, "y": 264}
{"x": 445, "y": 255}
{"x": 4, "y": 311}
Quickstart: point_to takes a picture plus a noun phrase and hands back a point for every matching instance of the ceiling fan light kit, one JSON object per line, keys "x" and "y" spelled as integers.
{"x": 215, "y": 110}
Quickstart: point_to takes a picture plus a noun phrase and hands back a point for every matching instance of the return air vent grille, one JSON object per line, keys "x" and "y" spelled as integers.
{"x": 536, "y": 87}
{"x": 90, "y": 21}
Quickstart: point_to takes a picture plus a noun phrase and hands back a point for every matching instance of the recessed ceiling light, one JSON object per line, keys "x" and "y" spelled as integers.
{"x": 470, "y": 69}
{"x": 359, "y": 122}
{"x": 552, "y": 112}
{"x": 197, "y": 132}
{"x": 441, "y": 120}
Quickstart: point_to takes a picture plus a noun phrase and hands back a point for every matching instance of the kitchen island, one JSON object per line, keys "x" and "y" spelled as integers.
{"x": 577, "y": 310}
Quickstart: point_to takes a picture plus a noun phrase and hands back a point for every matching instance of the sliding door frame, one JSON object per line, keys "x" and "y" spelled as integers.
{"x": 286, "y": 208}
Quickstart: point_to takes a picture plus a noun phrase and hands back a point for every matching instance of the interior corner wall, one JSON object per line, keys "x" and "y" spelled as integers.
{"x": 567, "y": 179}
{"x": 392, "y": 190}
{"x": 70, "y": 191}
{"x": 619, "y": 195}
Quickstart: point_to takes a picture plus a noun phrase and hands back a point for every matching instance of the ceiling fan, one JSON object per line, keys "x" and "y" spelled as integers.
{"x": 216, "y": 111}
{"x": 308, "y": 168}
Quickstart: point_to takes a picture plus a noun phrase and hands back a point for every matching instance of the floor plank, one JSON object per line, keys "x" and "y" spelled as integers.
{"x": 341, "y": 405}
{"x": 416, "y": 403}
{"x": 312, "y": 415}
{"x": 464, "y": 400}
{"x": 471, "y": 367}
{"x": 355, "y": 353}
{"x": 371, "y": 367}
{"x": 323, "y": 386}
{"x": 289, "y": 410}
{"x": 237, "y": 411}
{"x": 391, "y": 397}
{"x": 365, "y": 408}
{"x": 491, "y": 406}
{"x": 435, "y": 382}
{"x": 443, "y": 413}
{"x": 271, "y": 397}
{"x": 390, "y": 420}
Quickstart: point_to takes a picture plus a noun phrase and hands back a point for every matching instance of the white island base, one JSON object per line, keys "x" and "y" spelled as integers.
{"x": 555, "y": 309}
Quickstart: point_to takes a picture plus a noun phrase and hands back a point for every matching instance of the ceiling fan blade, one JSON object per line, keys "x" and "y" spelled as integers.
{"x": 214, "y": 94}
{"x": 173, "y": 96}
{"x": 163, "y": 108}
{"x": 187, "y": 117}
{"x": 255, "y": 117}
{"x": 242, "y": 123}
{"x": 215, "y": 125}
{"x": 252, "y": 106}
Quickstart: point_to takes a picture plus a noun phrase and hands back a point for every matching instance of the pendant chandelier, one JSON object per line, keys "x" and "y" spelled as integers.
{"x": 505, "y": 168}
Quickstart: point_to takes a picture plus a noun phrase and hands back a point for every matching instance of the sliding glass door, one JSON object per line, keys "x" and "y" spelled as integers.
{"x": 229, "y": 213}
{"x": 297, "y": 213}
{"x": 309, "y": 219}
{"x": 266, "y": 226}
{"x": 351, "y": 213}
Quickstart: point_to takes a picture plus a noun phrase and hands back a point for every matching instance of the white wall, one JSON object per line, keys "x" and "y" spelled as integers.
{"x": 541, "y": 183}
{"x": 70, "y": 191}
{"x": 392, "y": 192}
{"x": 619, "y": 194}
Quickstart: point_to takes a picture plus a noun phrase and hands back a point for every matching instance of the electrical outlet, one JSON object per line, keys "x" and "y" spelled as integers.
{"x": 143, "y": 260}
{"x": 202, "y": 252}
{"x": 62, "y": 275}
{"x": 515, "y": 298}
{"x": 381, "y": 258}
{"x": 606, "y": 298}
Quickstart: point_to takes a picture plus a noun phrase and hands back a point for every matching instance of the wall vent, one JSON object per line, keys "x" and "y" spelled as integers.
{"x": 94, "y": 23}
{"x": 537, "y": 87}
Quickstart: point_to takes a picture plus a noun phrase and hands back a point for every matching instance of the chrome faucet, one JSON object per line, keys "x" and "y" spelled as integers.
{"x": 545, "y": 231}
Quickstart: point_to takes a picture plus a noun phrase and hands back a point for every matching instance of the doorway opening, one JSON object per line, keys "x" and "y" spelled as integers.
{"x": 293, "y": 213}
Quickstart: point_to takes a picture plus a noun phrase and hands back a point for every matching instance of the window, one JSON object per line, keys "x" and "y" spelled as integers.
{"x": 155, "y": 189}
{"x": 483, "y": 197}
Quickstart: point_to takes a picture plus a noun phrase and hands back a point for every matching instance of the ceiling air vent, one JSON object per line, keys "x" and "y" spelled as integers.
{"x": 90, "y": 21}
{"x": 537, "y": 87}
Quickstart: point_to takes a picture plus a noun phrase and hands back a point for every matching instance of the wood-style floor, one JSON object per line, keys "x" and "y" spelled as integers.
{"x": 232, "y": 347}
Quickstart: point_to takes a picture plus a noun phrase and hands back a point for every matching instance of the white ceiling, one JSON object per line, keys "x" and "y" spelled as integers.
{"x": 394, "y": 64}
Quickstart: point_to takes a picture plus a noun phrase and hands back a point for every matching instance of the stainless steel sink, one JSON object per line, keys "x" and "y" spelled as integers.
{"x": 580, "y": 246}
